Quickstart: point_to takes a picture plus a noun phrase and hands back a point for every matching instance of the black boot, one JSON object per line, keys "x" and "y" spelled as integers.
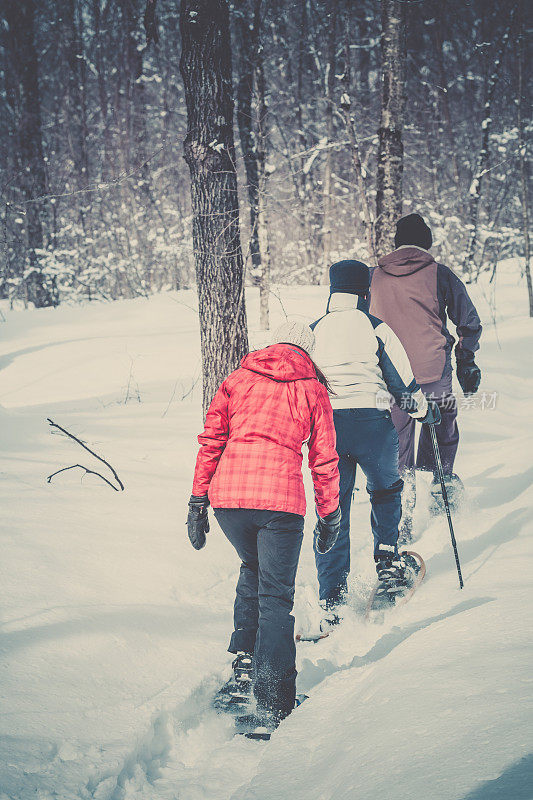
{"x": 237, "y": 692}
{"x": 392, "y": 578}
{"x": 243, "y": 675}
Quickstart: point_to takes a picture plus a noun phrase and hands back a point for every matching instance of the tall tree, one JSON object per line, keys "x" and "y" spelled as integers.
{"x": 247, "y": 45}
{"x": 262, "y": 139}
{"x": 70, "y": 20}
{"x": 484, "y": 151}
{"x": 328, "y": 113}
{"x": 210, "y": 153}
{"x": 522, "y": 155}
{"x": 25, "y": 101}
{"x": 390, "y": 153}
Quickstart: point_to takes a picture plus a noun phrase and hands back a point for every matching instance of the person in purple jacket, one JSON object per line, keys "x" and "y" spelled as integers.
{"x": 416, "y": 296}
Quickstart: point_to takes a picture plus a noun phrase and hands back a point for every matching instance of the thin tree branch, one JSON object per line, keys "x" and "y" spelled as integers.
{"x": 87, "y": 472}
{"x": 85, "y": 447}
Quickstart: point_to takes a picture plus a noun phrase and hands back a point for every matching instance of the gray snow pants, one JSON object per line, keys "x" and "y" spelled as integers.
{"x": 268, "y": 544}
{"x": 447, "y": 432}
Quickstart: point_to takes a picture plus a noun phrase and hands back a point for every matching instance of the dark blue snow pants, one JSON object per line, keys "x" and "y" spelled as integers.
{"x": 367, "y": 437}
{"x": 268, "y": 544}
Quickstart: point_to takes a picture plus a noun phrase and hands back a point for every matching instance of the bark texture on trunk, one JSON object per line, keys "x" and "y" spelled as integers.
{"x": 210, "y": 154}
{"x": 390, "y": 154}
{"x": 247, "y": 44}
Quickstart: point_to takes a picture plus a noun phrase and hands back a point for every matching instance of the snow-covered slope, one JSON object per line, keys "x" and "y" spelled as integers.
{"x": 114, "y": 630}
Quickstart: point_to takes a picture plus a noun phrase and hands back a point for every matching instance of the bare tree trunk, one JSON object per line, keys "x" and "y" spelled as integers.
{"x": 305, "y": 184}
{"x": 522, "y": 154}
{"x": 390, "y": 155}
{"x": 440, "y": 17}
{"x": 484, "y": 154}
{"x": 330, "y": 89}
{"x": 262, "y": 138}
{"x": 76, "y": 108}
{"x": 70, "y": 21}
{"x": 102, "y": 90}
{"x": 23, "y": 61}
{"x": 362, "y": 198}
{"x": 210, "y": 153}
{"x": 247, "y": 44}
{"x": 368, "y": 223}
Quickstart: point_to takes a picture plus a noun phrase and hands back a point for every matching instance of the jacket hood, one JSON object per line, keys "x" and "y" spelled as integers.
{"x": 405, "y": 261}
{"x": 281, "y": 362}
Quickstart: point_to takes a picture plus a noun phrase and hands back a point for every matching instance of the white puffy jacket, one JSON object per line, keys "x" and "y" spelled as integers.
{"x": 363, "y": 359}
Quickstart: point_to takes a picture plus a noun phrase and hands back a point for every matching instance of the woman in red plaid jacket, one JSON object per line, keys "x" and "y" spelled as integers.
{"x": 249, "y": 469}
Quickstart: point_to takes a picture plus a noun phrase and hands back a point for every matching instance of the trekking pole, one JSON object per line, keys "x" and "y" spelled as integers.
{"x": 438, "y": 463}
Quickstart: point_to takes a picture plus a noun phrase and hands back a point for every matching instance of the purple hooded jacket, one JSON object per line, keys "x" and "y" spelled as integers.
{"x": 415, "y": 296}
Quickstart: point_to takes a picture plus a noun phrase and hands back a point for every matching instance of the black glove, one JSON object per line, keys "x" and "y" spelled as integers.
{"x": 433, "y": 416}
{"x": 468, "y": 372}
{"x": 197, "y": 522}
{"x": 326, "y": 531}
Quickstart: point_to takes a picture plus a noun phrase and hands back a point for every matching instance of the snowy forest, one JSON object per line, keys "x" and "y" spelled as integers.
{"x": 265, "y": 431}
{"x": 95, "y": 190}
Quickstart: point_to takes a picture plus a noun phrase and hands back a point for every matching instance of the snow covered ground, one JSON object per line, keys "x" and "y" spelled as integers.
{"x": 114, "y": 630}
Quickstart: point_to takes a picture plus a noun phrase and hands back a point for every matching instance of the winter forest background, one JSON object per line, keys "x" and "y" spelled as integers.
{"x": 95, "y": 190}
{"x": 181, "y": 158}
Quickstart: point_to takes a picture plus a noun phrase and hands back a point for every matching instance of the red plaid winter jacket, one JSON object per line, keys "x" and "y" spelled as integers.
{"x": 251, "y": 448}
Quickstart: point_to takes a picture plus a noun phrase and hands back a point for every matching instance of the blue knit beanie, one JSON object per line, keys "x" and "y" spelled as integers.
{"x": 351, "y": 277}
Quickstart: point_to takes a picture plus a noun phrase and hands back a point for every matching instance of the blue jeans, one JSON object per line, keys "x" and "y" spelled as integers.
{"x": 268, "y": 544}
{"x": 367, "y": 437}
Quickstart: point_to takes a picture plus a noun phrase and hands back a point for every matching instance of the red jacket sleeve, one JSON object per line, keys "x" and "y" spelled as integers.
{"x": 212, "y": 442}
{"x": 323, "y": 458}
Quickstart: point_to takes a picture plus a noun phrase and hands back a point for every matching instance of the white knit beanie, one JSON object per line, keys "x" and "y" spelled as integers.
{"x": 294, "y": 332}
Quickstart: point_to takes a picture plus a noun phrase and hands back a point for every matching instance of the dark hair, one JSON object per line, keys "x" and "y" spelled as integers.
{"x": 322, "y": 378}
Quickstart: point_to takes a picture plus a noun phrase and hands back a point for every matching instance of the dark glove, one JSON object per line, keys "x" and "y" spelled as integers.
{"x": 197, "y": 521}
{"x": 433, "y": 416}
{"x": 468, "y": 372}
{"x": 326, "y": 531}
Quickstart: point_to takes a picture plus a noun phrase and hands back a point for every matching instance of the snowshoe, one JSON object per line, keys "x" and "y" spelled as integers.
{"x": 398, "y": 578}
{"x": 237, "y": 693}
{"x": 262, "y": 723}
{"x": 329, "y": 621}
{"x": 312, "y": 637}
{"x": 454, "y": 489}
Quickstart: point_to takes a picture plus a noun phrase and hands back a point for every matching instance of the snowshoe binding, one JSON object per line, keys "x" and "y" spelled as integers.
{"x": 237, "y": 693}
{"x": 398, "y": 578}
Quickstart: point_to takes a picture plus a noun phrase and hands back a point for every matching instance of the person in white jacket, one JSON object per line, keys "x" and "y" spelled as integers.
{"x": 364, "y": 361}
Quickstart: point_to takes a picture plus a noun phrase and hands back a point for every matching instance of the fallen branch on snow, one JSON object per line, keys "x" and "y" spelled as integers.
{"x": 80, "y": 466}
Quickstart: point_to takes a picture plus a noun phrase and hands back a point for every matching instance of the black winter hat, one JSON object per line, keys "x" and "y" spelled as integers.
{"x": 413, "y": 230}
{"x": 352, "y": 277}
